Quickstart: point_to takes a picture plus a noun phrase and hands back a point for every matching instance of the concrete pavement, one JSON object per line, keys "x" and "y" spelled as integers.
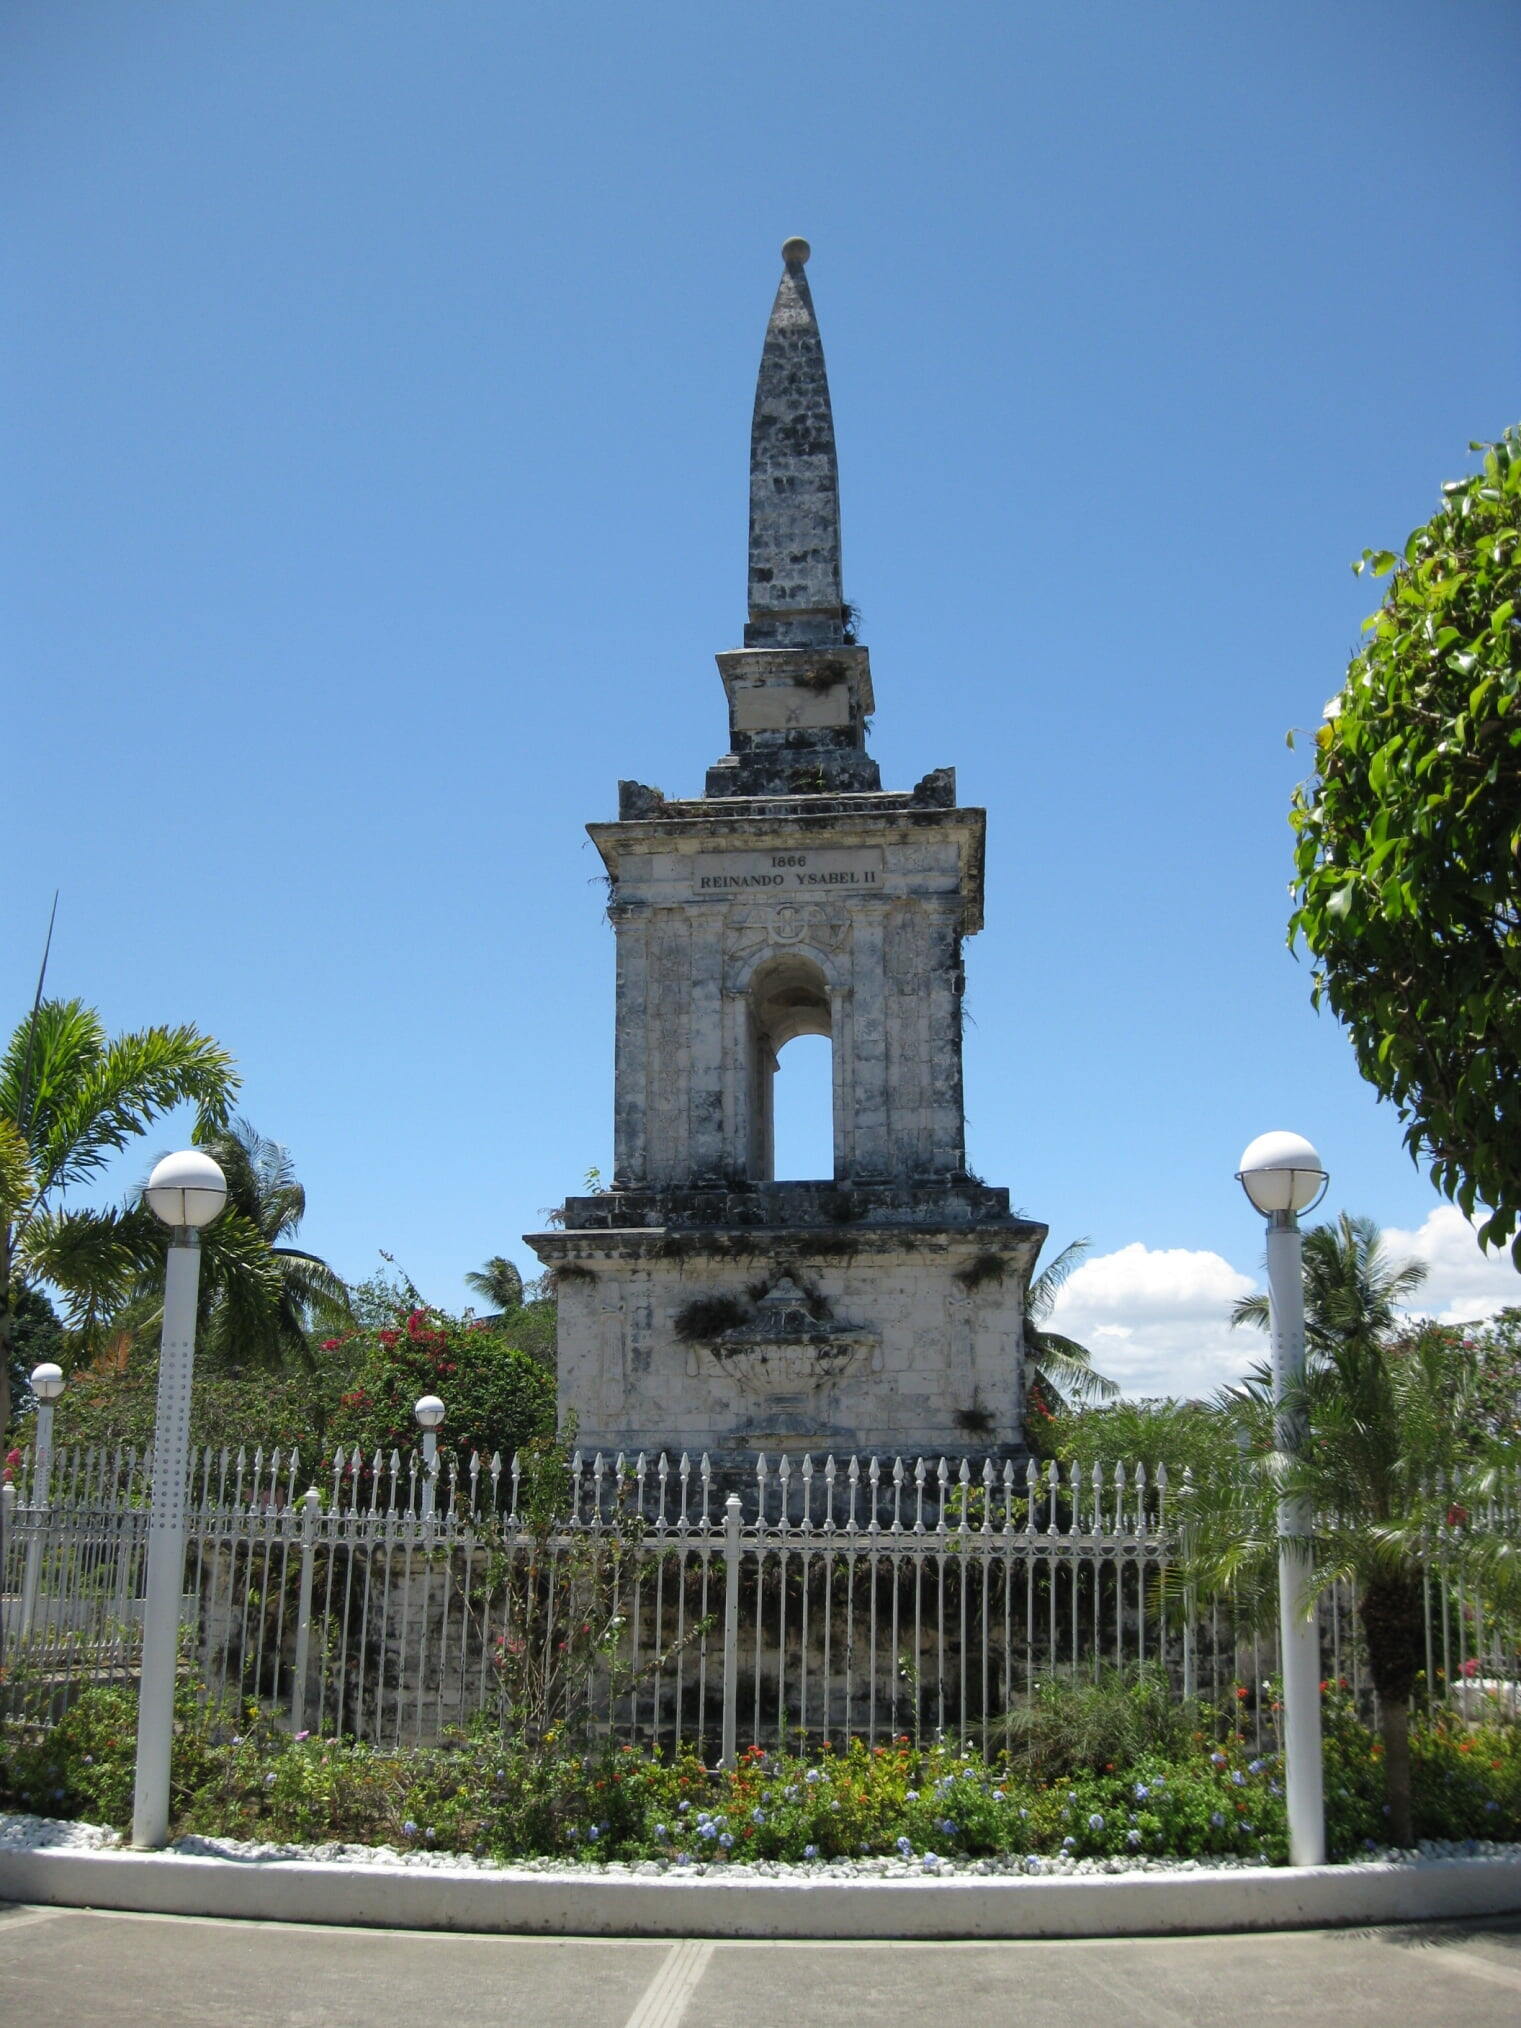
{"x": 71, "y": 1968}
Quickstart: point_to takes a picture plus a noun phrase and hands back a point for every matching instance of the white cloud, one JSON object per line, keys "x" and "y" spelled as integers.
{"x": 1157, "y": 1320}
{"x": 1463, "y": 1283}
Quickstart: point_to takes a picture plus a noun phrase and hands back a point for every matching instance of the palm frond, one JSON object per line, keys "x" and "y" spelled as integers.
{"x": 96, "y": 1258}
{"x": 1046, "y": 1286}
{"x": 497, "y": 1283}
{"x": 17, "y": 1181}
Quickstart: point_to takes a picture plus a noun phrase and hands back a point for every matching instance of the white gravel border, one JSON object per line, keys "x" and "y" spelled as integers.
{"x": 85, "y": 1865}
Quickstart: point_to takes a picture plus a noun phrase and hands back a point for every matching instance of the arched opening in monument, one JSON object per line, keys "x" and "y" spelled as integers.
{"x": 796, "y": 1141}
{"x": 802, "y": 1110}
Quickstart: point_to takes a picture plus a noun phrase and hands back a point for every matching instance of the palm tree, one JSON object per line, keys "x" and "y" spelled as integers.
{"x": 70, "y": 1098}
{"x": 1352, "y": 1289}
{"x": 1063, "y": 1368}
{"x": 259, "y": 1299}
{"x": 1391, "y": 1472}
{"x": 498, "y": 1284}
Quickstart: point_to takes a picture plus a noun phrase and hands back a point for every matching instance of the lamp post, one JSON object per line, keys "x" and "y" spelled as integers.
{"x": 47, "y": 1385}
{"x": 1282, "y": 1175}
{"x": 429, "y": 1413}
{"x": 186, "y": 1191}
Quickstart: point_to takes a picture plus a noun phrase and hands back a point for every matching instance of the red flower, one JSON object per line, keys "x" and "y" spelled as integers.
{"x": 331, "y": 1344}
{"x": 1457, "y": 1517}
{"x": 389, "y": 1338}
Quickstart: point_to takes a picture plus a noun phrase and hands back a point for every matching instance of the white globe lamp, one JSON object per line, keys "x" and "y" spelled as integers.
{"x": 1281, "y": 1172}
{"x": 186, "y": 1190}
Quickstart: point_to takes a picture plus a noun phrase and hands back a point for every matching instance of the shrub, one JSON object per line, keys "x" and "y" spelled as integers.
{"x": 497, "y": 1397}
{"x": 237, "y": 1775}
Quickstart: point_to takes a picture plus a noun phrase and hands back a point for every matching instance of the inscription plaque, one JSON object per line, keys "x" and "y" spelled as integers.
{"x": 784, "y": 873}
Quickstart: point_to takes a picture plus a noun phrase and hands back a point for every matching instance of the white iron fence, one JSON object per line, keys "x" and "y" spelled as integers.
{"x": 805, "y": 1600}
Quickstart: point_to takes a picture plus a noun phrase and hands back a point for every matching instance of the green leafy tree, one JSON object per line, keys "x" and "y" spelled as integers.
{"x": 497, "y": 1398}
{"x": 1353, "y": 1291}
{"x": 36, "y": 1335}
{"x": 70, "y": 1098}
{"x": 1062, "y": 1371}
{"x": 1408, "y": 843}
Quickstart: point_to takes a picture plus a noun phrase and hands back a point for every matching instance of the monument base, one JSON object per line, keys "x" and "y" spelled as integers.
{"x": 794, "y": 1317}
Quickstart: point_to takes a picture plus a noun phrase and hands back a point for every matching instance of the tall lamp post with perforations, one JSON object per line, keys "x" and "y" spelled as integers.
{"x": 1282, "y": 1175}
{"x": 186, "y": 1191}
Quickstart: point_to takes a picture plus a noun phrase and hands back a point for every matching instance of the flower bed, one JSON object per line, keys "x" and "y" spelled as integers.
{"x": 235, "y": 1776}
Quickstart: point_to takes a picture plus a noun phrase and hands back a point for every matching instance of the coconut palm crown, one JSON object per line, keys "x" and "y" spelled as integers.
{"x": 70, "y": 1098}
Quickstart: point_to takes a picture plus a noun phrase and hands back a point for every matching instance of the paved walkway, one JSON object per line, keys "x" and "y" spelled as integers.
{"x": 64, "y": 1968}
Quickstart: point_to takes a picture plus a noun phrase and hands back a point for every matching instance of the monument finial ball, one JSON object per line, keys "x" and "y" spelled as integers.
{"x": 795, "y": 251}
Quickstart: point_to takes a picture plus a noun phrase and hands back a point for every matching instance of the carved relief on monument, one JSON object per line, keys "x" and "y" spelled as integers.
{"x": 789, "y": 1343}
{"x": 748, "y": 929}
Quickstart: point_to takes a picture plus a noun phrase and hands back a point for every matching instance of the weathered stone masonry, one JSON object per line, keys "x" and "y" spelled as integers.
{"x": 704, "y": 1306}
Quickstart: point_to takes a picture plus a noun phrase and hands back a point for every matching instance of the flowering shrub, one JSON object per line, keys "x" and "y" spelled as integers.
{"x": 497, "y": 1398}
{"x": 235, "y": 1775}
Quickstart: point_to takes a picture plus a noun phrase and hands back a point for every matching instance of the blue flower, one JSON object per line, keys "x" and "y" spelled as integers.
{"x": 409, "y": 1829}
{"x": 1238, "y": 1778}
{"x": 594, "y": 1830}
{"x": 998, "y": 1795}
{"x": 948, "y": 1826}
{"x": 1256, "y": 1766}
{"x": 1132, "y": 1839}
{"x": 1095, "y": 1822}
{"x": 905, "y": 1847}
{"x": 757, "y": 1816}
{"x": 683, "y": 1808}
{"x": 1141, "y": 1792}
{"x": 813, "y": 1775}
{"x": 709, "y": 1830}
{"x": 1068, "y": 1843}
{"x": 791, "y": 1794}
{"x": 1024, "y": 1813}
{"x": 1218, "y": 1759}
{"x": 726, "y": 1840}
{"x": 911, "y": 1795}
{"x": 660, "y": 1830}
{"x": 810, "y": 1851}
{"x": 931, "y": 1862}
{"x": 1217, "y": 1818}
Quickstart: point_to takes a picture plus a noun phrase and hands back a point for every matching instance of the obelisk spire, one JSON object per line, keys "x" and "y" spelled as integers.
{"x": 795, "y": 595}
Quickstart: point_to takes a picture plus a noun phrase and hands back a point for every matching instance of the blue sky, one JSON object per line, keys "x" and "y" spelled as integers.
{"x": 376, "y": 411}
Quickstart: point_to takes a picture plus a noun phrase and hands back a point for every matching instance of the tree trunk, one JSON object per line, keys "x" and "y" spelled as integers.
{"x": 1392, "y": 1612}
{"x": 1394, "y": 1723}
{"x": 7, "y": 1328}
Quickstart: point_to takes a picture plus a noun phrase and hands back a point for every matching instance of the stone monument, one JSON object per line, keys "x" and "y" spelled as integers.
{"x": 702, "y": 1304}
